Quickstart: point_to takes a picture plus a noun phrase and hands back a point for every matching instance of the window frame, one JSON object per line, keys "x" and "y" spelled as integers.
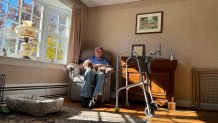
{"x": 45, "y": 37}
{"x": 42, "y": 40}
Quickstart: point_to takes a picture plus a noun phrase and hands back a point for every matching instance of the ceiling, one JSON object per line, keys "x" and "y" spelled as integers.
{"x": 56, "y": 3}
{"x": 93, "y": 3}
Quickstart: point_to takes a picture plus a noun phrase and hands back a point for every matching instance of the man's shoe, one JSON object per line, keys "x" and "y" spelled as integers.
{"x": 92, "y": 103}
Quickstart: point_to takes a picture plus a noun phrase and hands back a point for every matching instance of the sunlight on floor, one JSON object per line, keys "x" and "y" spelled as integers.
{"x": 86, "y": 115}
{"x": 162, "y": 115}
{"x": 103, "y": 116}
{"x": 175, "y": 116}
{"x": 135, "y": 113}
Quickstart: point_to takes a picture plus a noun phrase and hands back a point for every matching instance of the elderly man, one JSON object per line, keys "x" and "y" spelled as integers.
{"x": 93, "y": 80}
{"x": 98, "y": 59}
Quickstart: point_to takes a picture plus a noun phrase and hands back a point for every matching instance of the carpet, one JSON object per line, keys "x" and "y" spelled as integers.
{"x": 71, "y": 115}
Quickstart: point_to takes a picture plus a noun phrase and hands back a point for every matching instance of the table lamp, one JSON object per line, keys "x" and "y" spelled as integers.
{"x": 26, "y": 32}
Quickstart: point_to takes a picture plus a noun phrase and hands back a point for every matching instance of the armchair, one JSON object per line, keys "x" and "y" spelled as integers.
{"x": 76, "y": 76}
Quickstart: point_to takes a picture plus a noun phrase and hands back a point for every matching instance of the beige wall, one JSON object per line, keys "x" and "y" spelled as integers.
{"x": 190, "y": 31}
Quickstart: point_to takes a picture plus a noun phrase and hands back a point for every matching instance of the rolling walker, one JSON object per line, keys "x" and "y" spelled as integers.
{"x": 143, "y": 64}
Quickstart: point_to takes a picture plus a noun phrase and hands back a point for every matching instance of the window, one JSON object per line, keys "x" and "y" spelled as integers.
{"x": 53, "y": 26}
{"x": 57, "y": 39}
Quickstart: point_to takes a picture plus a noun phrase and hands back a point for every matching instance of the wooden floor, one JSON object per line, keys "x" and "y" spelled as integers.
{"x": 162, "y": 115}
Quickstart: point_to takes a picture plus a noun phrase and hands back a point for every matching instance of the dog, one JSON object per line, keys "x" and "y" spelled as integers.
{"x": 74, "y": 68}
{"x": 87, "y": 64}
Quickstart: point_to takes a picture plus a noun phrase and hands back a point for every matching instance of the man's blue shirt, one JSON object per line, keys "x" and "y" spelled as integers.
{"x": 101, "y": 60}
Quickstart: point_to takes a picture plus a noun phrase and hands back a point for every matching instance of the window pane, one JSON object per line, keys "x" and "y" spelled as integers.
{"x": 62, "y": 30}
{"x": 1, "y": 41}
{"x": 52, "y": 29}
{"x": 25, "y": 16}
{"x": 27, "y": 5}
{"x": 51, "y": 42}
{"x": 51, "y": 48}
{"x": 63, "y": 19}
{"x": 52, "y": 16}
{"x": 38, "y": 34}
{"x": 2, "y": 23}
{"x": 19, "y": 42}
{"x": 10, "y": 44}
{"x": 56, "y": 48}
{"x": 36, "y": 22}
{"x": 37, "y": 10}
{"x": 3, "y": 8}
{"x": 10, "y": 28}
{"x": 15, "y": 3}
{"x": 13, "y": 13}
{"x": 4, "y": 0}
{"x": 60, "y": 49}
{"x": 34, "y": 47}
{"x": 51, "y": 51}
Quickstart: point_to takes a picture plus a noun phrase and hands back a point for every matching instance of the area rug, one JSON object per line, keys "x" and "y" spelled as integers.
{"x": 71, "y": 115}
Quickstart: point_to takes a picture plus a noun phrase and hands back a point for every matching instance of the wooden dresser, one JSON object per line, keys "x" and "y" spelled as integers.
{"x": 162, "y": 77}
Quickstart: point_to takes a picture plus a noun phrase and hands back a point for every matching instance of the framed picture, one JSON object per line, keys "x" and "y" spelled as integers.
{"x": 149, "y": 22}
{"x": 139, "y": 49}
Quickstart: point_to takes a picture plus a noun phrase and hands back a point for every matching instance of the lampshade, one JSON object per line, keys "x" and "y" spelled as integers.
{"x": 26, "y": 30}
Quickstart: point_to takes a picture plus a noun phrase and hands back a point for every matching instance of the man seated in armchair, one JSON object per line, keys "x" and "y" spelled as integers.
{"x": 94, "y": 78}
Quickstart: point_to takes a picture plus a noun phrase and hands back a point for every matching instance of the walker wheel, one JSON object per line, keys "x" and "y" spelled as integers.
{"x": 153, "y": 105}
{"x": 117, "y": 109}
{"x": 127, "y": 104}
{"x": 149, "y": 113}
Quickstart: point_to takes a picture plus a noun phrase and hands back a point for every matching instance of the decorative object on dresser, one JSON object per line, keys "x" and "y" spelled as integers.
{"x": 162, "y": 77}
{"x": 139, "y": 49}
{"x": 149, "y": 22}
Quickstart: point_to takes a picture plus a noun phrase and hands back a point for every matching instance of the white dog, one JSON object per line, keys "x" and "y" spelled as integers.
{"x": 89, "y": 65}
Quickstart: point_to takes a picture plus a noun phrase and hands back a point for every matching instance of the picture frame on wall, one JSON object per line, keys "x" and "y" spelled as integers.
{"x": 139, "y": 49}
{"x": 149, "y": 22}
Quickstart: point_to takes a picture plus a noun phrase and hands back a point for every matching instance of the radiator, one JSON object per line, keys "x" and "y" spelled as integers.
{"x": 205, "y": 88}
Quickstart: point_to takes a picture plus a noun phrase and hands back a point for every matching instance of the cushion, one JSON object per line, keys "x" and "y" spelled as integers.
{"x": 75, "y": 67}
{"x": 34, "y": 105}
{"x": 78, "y": 78}
{"x": 85, "y": 54}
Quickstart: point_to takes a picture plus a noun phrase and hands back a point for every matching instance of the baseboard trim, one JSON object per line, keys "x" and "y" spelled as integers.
{"x": 184, "y": 103}
{"x": 35, "y": 84}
